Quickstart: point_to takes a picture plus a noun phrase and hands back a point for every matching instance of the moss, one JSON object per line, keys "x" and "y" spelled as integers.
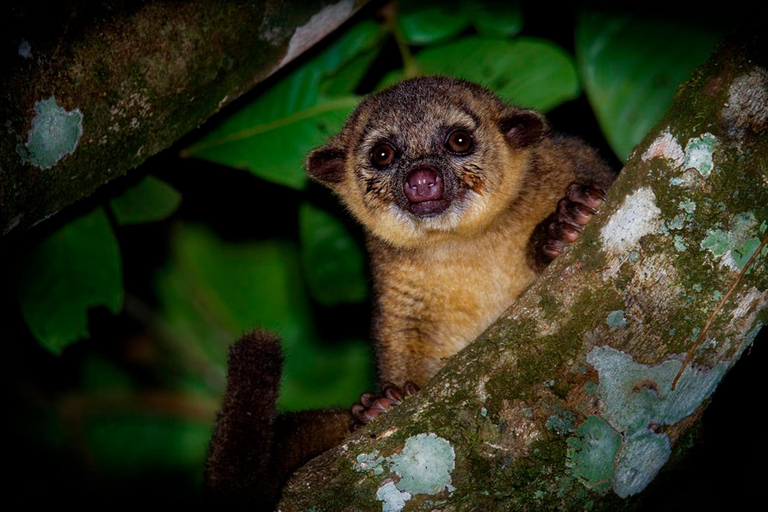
{"x": 550, "y": 306}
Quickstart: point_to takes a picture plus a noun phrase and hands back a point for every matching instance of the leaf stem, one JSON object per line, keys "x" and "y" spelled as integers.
{"x": 321, "y": 108}
{"x": 410, "y": 66}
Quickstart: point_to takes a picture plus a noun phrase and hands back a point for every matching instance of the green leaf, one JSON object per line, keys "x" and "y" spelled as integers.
{"x": 497, "y": 18}
{"x": 631, "y": 68}
{"x": 211, "y": 291}
{"x": 271, "y": 136}
{"x": 149, "y": 200}
{"x": 275, "y": 150}
{"x": 332, "y": 261}
{"x": 346, "y": 80}
{"x": 529, "y": 72}
{"x": 430, "y": 22}
{"x": 62, "y": 276}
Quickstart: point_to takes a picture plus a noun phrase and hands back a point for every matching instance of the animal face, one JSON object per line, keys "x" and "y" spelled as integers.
{"x": 429, "y": 159}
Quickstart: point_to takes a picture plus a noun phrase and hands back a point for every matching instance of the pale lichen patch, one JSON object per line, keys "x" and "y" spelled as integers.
{"x": 425, "y": 465}
{"x": 699, "y": 154}
{"x": 679, "y": 243}
{"x": 748, "y": 304}
{"x": 637, "y": 216}
{"x": 592, "y": 452}
{"x": 55, "y": 133}
{"x": 665, "y": 146}
{"x": 616, "y": 320}
{"x": 747, "y": 106}
{"x": 618, "y": 448}
{"x": 635, "y": 395}
{"x": 25, "y": 49}
{"x": 369, "y": 462}
{"x": 394, "y": 500}
{"x": 735, "y": 245}
{"x": 639, "y": 461}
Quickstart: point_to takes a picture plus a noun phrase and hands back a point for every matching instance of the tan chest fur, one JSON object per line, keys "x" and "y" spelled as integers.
{"x": 432, "y": 302}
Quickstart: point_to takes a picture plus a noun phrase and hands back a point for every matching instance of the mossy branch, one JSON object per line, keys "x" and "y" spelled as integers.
{"x": 90, "y": 97}
{"x": 567, "y": 402}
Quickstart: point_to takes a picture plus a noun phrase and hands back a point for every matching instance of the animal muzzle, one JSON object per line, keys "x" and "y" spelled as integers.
{"x": 424, "y": 187}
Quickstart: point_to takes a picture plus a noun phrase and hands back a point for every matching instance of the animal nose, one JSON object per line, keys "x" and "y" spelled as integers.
{"x": 423, "y": 184}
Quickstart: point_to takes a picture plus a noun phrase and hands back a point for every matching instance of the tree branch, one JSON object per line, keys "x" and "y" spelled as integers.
{"x": 98, "y": 87}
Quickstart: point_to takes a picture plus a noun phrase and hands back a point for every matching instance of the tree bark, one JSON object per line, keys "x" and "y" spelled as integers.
{"x": 96, "y": 88}
{"x": 590, "y": 383}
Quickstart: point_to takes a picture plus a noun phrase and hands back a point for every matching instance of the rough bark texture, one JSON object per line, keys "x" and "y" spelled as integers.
{"x": 583, "y": 390}
{"x": 96, "y": 88}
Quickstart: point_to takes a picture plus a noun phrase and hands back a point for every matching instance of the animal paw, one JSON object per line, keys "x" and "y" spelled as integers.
{"x": 574, "y": 211}
{"x": 371, "y": 405}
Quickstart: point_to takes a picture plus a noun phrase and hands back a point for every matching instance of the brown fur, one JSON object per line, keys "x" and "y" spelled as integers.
{"x": 440, "y": 280}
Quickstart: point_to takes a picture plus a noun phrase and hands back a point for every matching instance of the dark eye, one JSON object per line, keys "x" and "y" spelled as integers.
{"x": 459, "y": 141}
{"x": 382, "y": 155}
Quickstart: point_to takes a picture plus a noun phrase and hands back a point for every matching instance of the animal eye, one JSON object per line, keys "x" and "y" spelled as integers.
{"x": 459, "y": 141}
{"x": 382, "y": 155}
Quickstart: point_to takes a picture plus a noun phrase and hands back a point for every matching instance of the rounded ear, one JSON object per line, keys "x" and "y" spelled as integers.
{"x": 524, "y": 127}
{"x": 326, "y": 164}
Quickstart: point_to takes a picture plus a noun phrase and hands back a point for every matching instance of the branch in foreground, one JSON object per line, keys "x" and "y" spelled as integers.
{"x": 588, "y": 385}
{"x": 96, "y": 88}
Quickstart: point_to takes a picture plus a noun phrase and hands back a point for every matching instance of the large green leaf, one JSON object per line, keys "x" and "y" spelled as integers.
{"x": 434, "y": 21}
{"x": 331, "y": 258}
{"x": 149, "y": 200}
{"x": 532, "y": 73}
{"x": 631, "y": 68}
{"x": 497, "y": 18}
{"x": 59, "y": 278}
{"x": 211, "y": 291}
{"x": 271, "y": 136}
{"x": 345, "y": 81}
{"x": 275, "y": 150}
{"x": 431, "y": 21}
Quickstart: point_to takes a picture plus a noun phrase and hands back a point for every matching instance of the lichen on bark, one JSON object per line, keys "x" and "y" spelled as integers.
{"x": 128, "y": 79}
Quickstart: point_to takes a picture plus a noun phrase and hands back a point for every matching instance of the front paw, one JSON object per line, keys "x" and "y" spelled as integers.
{"x": 574, "y": 211}
{"x": 371, "y": 405}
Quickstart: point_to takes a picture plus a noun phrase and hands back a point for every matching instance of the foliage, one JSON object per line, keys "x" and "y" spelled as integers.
{"x": 631, "y": 68}
{"x": 210, "y": 289}
{"x": 70, "y": 270}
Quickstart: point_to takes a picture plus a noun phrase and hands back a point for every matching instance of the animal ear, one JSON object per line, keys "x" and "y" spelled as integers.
{"x": 326, "y": 164}
{"x": 524, "y": 127}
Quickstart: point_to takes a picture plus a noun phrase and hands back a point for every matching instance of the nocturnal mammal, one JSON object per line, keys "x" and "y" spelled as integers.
{"x": 464, "y": 200}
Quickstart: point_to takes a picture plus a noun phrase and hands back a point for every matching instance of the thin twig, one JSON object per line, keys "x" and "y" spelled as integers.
{"x": 700, "y": 338}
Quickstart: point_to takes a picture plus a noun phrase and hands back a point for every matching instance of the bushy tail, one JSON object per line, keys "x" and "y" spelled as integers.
{"x": 254, "y": 450}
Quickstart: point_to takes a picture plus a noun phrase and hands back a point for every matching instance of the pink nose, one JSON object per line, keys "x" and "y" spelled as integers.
{"x": 423, "y": 184}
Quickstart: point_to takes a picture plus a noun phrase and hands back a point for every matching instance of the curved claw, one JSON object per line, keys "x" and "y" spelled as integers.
{"x": 371, "y": 405}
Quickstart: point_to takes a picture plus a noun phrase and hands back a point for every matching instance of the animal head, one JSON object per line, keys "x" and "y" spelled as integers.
{"x": 428, "y": 159}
